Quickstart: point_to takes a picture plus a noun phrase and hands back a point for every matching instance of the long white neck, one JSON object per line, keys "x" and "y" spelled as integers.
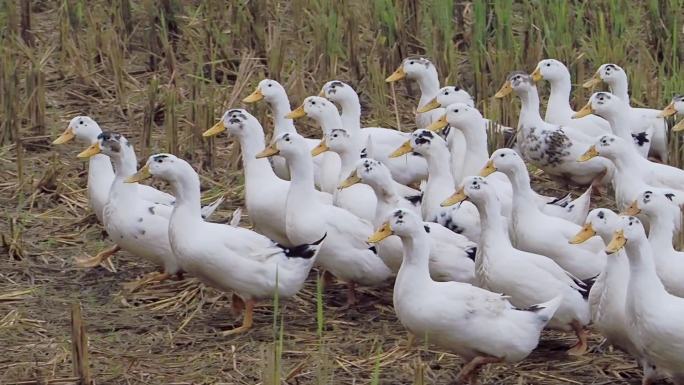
{"x": 388, "y": 199}
{"x": 620, "y": 88}
{"x": 644, "y": 282}
{"x": 302, "y": 176}
{"x": 629, "y": 160}
{"x": 523, "y": 195}
{"x": 620, "y": 124}
{"x": 559, "y": 98}
{"x": 251, "y": 144}
{"x": 663, "y": 229}
{"x": 529, "y": 111}
{"x": 494, "y": 225}
{"x": 477, "y": 152}
{"x": 125, "y": 163}
{"x": 349, "y": 156}
{"x": 280, "y": 107}
{"x": 186, "y": 189}
{"x": 429, "y": 86}
{"x": 440, "y": 182}
{"x": 351, "y": 111}
{"x": 415, "y": 266}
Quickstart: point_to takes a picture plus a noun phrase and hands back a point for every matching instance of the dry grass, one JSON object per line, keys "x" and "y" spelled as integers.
{"x": 160, "y": 72}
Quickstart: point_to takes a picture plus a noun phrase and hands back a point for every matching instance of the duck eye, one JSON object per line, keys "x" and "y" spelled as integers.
{"x": 269, "y": 84}
{"x": 446, "y": 92}
{"x": 548, "y": 64}
{"x": 80, "y": 122}
{"x": 335, "y": 136}
{"x": 456, "y": 110}
{"x": 313, "y": 103}
{"x": 411, "y": 62}
{"x": 502, "y": 155}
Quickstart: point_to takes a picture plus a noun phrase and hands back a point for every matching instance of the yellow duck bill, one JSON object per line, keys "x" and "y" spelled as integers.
{"x": 398, "y": 74}
{"x": 431, "y": 105}
{"x": 351, "y": 180}
{"x": 254, "y": 97}
{"x": 617, "y": 243}
{"x": 586, "y": 110}
{"x": 214, "y": 130}
{"x": 668, "y": 111}
{"x": 297, "y": 113}
{"x": 383, "y": 232}
{"x": 488, "y": 169}
{"x": 583, "y": 235}
{"x": 593, "y": 82}
{"x": 633, "y": 209}
{"x": 505, "y": 89}
{"x": 66, "y": 136}
{"x": 457, "y": 197}
{"x": 94, "y": 149}
{"x": 321, "y": 148}
{"x": 590, "y": 153}
{"x": 537, "y": 75}
{"x": 268, "y": 151}
{"x": 402, "y": 150}
{"x": 438, "y": 124}
{"x": 141, "y": 175}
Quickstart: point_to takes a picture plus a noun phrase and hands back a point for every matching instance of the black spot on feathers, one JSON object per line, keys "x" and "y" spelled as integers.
{"x": 640, "y": 139}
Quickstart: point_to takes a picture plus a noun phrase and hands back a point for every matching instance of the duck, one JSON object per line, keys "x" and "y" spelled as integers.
{"x": 137, "y": 225}
{"x": 265, "y": 192}
{"x": 447, "y": 96}
{"x": 439, "y": 312}
{"x": 526, "y": 278}
{"x": 558, "y": 109}
{"x": 451, "y": 254}
{"x": 462, "y": 219}
{"x": 655, "y": 317}
{"x": 534, "y": 231}
{"x": 676, "y": 107}
{"x": 641, "y": 119}
{"x": 407, "y": 171}
{"x": 422, "y": 71}
{"x": 469, "y": 120}
{"x": 217, "y": 254}
{"x": 345, "y": 253}
{"x": 616, "y": 112}
{"x": 608, "y": 294}
{"x": 551, "y": 147}
{"x": 359, "y": 200}
{"x": 665, "y": 217}
{"x": 274, "y": 94}
{"x": 633, "y": 173}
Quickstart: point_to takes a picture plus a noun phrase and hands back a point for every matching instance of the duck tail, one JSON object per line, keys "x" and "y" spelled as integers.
{"x": 587, "y": 285}
{"x": 546, "y": 310}
{"x": 306, "y": 250}
{"x": 210, "y": 208}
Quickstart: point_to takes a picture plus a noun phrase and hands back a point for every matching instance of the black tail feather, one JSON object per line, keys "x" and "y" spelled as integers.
{"x": 587, "y": 285}
{"x": 306, "y": 251}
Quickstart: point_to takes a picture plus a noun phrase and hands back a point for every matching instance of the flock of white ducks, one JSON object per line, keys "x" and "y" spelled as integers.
{"x": 482, "y": 263}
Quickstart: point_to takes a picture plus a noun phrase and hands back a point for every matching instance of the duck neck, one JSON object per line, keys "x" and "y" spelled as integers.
{"x": 619, "y": 123}
{"x": 477, "y": 152}
{"x": 523, "y": 195}
{"x": 301, "y": 176}
{"x": 415, "y": 265}
{"x": 620, "y": 88}
{"x": 440, "y": 182}
{"x": 559, "y": 98}
{"x": 529, "y": 110}
{"x": 351, "y": 112}
{"x": 429, "y": 86}
{"x": 186, "y": 189}
{"x": 250, "y": 145}
{"x": 662, "y": 231}
{"x": 125, "y": 163}
{"x": 349, "y": 157}
{"x": 494, "y": 225}
{"x": 643, "y": 275}
{"x": 280, "y": 107}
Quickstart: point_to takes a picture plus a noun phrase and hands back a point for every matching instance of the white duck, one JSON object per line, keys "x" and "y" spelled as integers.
{"x": 451, "y": 254}
{"x": 610, "y": 107}
{"x": 422, "y": 71}
{"x": 676, "y": 107}
{"x": 413, "y": 169}
{"x": 558, "y": 109}
{"x": 359, "y": 200}
{"x": 134, "y": 223}
{"x": 608, "y": 294}
{"x": 526, "y": 278}
{"x": 537, "y": 232}
{"x": 440, "y": 312}
{"x": 215, "y": 253}
{"x": 664, "y": 215}
{"x": 469, "y": 120}
{"x": 345, "y": 252}
{"x": 641, "y": 119}
{"x": 551, "y": 147}
{"x": 274, "y": 94}
{"x": 655, "y": 317}
{"x": 265, "y": 192}
{"x": 461, "y": 219}
{"x": 633, "y": 173}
